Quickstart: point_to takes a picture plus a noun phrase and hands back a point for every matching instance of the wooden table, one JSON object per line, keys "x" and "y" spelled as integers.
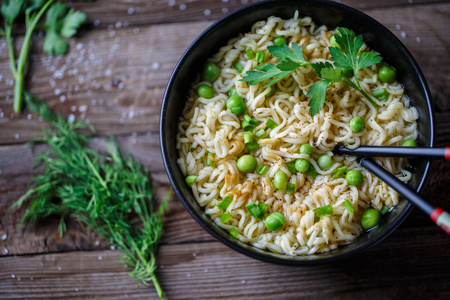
{"x": 114, "y": 77}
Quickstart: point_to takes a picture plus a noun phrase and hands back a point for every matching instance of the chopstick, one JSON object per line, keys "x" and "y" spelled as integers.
{"x": 437, "y": 215}
{"x": 408, "y": 152}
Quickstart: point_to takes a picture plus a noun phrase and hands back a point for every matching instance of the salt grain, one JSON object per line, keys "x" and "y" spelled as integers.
{"x": 13, "y": 276}
{"x": 73, "y": 108}
{"x": 131, "y": 10}
{"x": 172, "y": 2}
{"x": 118, "y": 25}
{"x": 76, "y": 289}
{"x": 225, "y": 10}
{"x": 182, "y": 6}
{"x": 5, "y": 251}
{"x": 96, "y": 22}
{"x": 206, "y": 270}
{"x": 31, "y": 278}
{"x": 194, "y": 254}
{"x": 2, "y": 115}
{"x": 136, "y": 30}
{"x": 418, "y": 39}
{"x": 156, "y": 65}
{"x": 71, "y": 118}
{"x": 243, "y": 281}
{"x": 100, "y": 257}
{"x": 112, "y": 33}
{"x": 62, "y": 98}
{"x": 59, "y": 268}
{"x": 52, "y": 259}
{"x": 112, "y": 247}
{"x": 29, "y": 116}
{"x": 207, "y": 12}
{"x": 57, "y": 92}
{"x": 4, "y": 237}
{"x": 188, "y": 275}
{"x": 403, "y": 34}
{"x": 17, "y": 136}
{"x": 398, "y": 26}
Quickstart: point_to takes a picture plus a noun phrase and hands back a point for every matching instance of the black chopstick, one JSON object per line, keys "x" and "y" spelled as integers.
{"x": 437, "y": 215}
{"x": 407, "y": 152}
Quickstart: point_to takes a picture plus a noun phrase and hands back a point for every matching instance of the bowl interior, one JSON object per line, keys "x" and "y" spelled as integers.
{"x": 331, "y": 14}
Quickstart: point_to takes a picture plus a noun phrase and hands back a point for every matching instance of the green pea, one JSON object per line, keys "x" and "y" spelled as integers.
{"x": 306, "y": 149}
{"x": 210, "y": 72}
{"x": 357, "y": 124}
{"x": 279, "y": 40}
{"x": 325, "y": 162}
{"x": 232, "y": 92}
{"x": 205, "y": 91}
{"x": 236, "y": 104}
{"x": 387, "y": 74}
{"x": 409, "y": 143}
{"x": 280, "y": 180}
{"x": 275, "y": 221}
{"x": 246, "y": 163}
{"x": 302, "y": 165}
{"x": 354, "y": 177}
{"x": 370, "y": 218}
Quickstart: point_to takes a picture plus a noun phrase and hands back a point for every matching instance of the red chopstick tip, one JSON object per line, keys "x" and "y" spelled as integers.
{"x": 447, "y": 153}
{"x": 436, "y": 214}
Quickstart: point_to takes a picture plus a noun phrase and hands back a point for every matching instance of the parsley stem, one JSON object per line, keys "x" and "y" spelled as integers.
{"x": 19, "y": 73}
{"x": 8, "y": 33}
{"x": 347, "y": 81}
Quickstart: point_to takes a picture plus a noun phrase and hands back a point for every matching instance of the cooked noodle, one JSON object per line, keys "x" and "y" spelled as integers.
{"x": 206, "y": 126}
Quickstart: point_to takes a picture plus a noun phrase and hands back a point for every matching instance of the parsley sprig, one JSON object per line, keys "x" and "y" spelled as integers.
{"x": 59, "y": 24}
{"x": 288, "y": 61}
{"x": 344, "y": 58}
{"x": 112, "y": 194}
{"x": 348, "y": 56}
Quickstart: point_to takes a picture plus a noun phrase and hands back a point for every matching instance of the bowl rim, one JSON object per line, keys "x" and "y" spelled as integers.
{"x": 280, "y": 259}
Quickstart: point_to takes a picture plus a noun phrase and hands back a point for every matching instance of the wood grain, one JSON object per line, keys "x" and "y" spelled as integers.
{"x": 115, "y": 76}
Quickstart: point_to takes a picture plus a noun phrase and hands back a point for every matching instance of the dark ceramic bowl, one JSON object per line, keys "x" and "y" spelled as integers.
{"x": 331, "y": 14}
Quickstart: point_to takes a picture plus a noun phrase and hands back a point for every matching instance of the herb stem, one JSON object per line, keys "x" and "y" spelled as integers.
{"x": 8, "y": 34}
{"x": 358, "y": 87}
{"x": 19, "y": 73}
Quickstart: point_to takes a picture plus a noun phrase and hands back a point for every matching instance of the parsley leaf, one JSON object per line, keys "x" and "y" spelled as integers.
{"x": 322, "y": 212}
{"x": 58, "y": 24}
{"x": 11, "y": 9}
{"x": 288, "y": 61}
{"x": 345, "y": 57}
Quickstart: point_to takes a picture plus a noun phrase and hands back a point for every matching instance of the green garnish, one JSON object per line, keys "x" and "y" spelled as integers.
{"x": 250, "y": 53}
{"x": 380, "y": 94}
{"x": 251, "y": 120}
{"x": 322, "y": 212}
{"x": 312, "y": 172}
{"x": 58, "y": 24}
{"x": 190, "y": 179}
{"x": 254, "y": 209}
{"x": 262, "y": 169}
{"x": 349, "y": 207}
{"x": 247, "y": 126}
{"x": 345, "y": 57}
{"x": 260, "y": 133}
{"x": 384, "y": 210}
{"x": 260, "y": 56}
{"x": 248, "y": 137}
{"x": 225, "y": 217}
{"x": 339, "y": 172}
{"x": 290, "y": 189}
{"x": 209, "y": 160}
{"x": 252, "y": 146}
{"x": 263, "y": 207}
{"x": 291, "y": 167}
{"x": 112, "y": 194}
{"x": 288, "y": 61}
{"x": 233, "y": 231}
{"x": 271, "y": 123}
{"x": 237, "y": 65}
{"x": 272, "y": 91}
{"x": 225, "y": 202}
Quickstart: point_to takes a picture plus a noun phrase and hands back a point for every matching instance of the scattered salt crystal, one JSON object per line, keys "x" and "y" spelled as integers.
{"x": 136, "y": 30}
{"x": 206, "y": 270}
{"x": 87, "y": 121}
{"x": 121, "y": 85}
{"x": 29, "y": 116}
{"x": 156, "y": 65}
{"x": 244, "y": 1}
{"x": 398, "y": 26}
{"x": 126, "y": 24}
{"x": 182, "y": 6}
{"x": 0, "y": 172}
{"x": 19, "y": 279}
{"x": 188, "y": 274}
{"x": 17, "y": 136}
{"x": 52, "y": 82}
{"x": 76, "y": 289}
{"x": 112, "y": 247}
{"x": 83, "y": 116}
{"x": 112, "y": 33}
{"x": 5, "y": 251}
{"x": 108, "y": 72}
{"x": 62, "y": 98}
{"x": 52, "y": 259}
{"x": 101, "y": 101}
{"x": 149, "y": 133}
{"x": 131, "y": 10}
{"x": 59, "y": 268}
{"x": 73, "y": 108}
{"x": 403, "y": 34}
{"x": 133, "y": 141}
{"x": 110, "y": 27}
{"x": 57, "y": 92}
{"x": 243, "y": 281}
{"x": 121, "y": 121}
{"x": 71, "y": 118}
{"x": 149, "y": 3}
{"x": 31, "y": 278}
{"x": 418, "y": 39}
{"x": 13, "y": 276}
{"x": 79, "y": 46}
{"x": 100, "y": 257}
{"x": 172, "y": 2}
{"x": 2, "y": 115}
{"x": 118, "y": 25}
{"x": 96, "y": 22}
{"x": 207, "y": 12}
{"x": 162, "y": 267}
{"x": 194, "y": 254}
{"x": 225, "y": 1}
{"x": 225, "y": 10}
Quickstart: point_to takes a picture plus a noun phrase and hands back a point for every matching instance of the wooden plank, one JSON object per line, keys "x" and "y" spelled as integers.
{"x": 118, "y": 84}
{"x": 393, "y": 269}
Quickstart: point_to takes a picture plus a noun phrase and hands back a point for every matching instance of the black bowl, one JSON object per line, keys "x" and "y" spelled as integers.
{"x": 328, "y": 13}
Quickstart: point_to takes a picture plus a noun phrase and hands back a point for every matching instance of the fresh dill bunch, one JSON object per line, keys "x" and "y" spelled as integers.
{"x": 112, "y": 194}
